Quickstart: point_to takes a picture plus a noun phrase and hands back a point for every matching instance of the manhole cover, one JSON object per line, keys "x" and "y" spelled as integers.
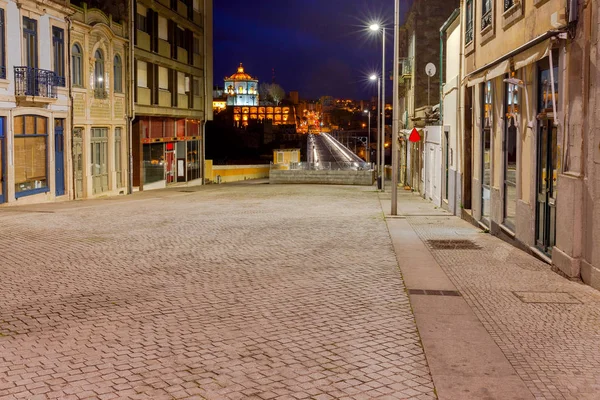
{"x": 434, "y": 292}
{"x": 453, "y": 244}
{"x": 546, "y": 297}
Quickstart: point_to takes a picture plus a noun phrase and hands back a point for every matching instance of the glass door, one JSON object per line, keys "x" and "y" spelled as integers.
{"x": 510, "y": 155}
{"x": 547, "y": 159}
{"x": 78, "y": 161}
{"x": 30, "y": 54}
{"x": 486, "y": 154}
{"x": 99, "y": 160}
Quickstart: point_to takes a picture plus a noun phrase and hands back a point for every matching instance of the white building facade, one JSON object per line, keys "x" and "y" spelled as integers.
{"x": 34, "y": 102}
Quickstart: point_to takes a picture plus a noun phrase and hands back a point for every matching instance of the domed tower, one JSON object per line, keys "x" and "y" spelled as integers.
{"x": 241, "y": 89}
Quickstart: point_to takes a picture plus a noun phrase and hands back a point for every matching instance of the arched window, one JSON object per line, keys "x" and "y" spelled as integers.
{"x": 99, "y": 74}
{"x": 77, "y": 65}
{"x": 118, "y": 74}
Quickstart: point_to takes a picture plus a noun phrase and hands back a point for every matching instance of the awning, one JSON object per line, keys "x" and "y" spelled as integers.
{"x": 476, "y": 79}
{"x": 532, "y": 54}
{"x": 497, "y": 70}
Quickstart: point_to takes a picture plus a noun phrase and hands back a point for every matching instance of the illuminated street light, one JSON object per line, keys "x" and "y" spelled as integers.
{"x": 377, "y": 27}
{"x": 374, "y": 27}
{"x": 379, "y": 136}
{"x": 373, "y": 78}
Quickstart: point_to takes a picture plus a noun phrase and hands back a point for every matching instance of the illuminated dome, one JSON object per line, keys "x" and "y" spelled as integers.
{"x": 240, "y": 75}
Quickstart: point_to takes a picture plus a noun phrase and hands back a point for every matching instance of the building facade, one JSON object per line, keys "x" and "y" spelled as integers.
{"x": 35, "y": 104}
{"x": 529, "y": 148}
{"x": 172, "y": 89}
{"x": 99, "y": 59}
{"x": 241, "y": 89}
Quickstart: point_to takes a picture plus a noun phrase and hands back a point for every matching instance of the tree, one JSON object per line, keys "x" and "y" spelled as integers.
{"x": 277, "y": 93}
{"x": 263, "y": 91}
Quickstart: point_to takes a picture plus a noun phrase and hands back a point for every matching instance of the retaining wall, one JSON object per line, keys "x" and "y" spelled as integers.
{"x": 363, "y": 178}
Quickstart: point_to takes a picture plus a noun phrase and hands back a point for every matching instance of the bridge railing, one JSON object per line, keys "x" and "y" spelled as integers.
{"x": 324, "y": 166}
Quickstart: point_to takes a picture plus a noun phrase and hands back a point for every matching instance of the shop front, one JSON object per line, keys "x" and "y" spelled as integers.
{"x": 170, "y": 151}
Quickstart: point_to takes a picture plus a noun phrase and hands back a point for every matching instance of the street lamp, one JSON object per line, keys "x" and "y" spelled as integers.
{"x": 379, "y": 141}
{"x": 368, "y": 155}
{"x": 375, "y": 27}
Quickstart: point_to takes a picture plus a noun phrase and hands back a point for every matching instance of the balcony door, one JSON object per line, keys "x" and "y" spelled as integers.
{"x": 30, "y": 52}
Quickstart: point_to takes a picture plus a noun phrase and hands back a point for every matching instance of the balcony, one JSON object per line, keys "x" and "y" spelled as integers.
{"x": 182, "y": 55}
{"x": 198, "y": 105}
{"x": 100, "y": 93}
{"x": 34, "y": 82}
{"x": 182, "y": 101}
{"x": 164, "y": 98}
{"x": 143, "y": 40}
{"x": 143, "y": 96}
{"x": 164, "y": 48}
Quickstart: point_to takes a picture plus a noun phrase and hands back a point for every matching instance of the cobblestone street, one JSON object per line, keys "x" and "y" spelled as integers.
{"x": 222, "y": 292}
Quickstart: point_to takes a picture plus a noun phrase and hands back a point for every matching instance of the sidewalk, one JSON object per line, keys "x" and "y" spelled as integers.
{"x": 515, "y": 330}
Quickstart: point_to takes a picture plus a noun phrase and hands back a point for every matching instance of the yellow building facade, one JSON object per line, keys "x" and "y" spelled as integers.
{"x": 99, "y": 59}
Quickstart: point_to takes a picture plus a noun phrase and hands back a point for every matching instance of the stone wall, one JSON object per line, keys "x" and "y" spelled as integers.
{"x": 363, "y": 178}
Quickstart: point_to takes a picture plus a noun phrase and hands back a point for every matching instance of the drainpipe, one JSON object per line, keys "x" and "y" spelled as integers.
{"x": 131, "y": 108}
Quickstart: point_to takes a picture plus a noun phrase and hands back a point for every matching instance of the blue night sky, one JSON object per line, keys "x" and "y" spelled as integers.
{"x": 317, "y": 47}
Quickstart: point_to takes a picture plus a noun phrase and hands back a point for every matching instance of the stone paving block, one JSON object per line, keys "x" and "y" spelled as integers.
{"x": 239, "y": 290}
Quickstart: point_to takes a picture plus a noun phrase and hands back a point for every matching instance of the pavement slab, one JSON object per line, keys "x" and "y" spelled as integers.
{"x": 218, "y": 292}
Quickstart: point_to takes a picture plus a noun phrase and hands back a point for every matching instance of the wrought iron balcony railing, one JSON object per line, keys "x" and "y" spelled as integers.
{"x": 35, "y": 82}
{"x": 100, "y": 93}
{"x": 2, "y": 72}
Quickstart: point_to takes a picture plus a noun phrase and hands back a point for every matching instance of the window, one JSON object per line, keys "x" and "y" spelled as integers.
{"x": 508, "y": 4}
{"x": 196, "y": 87}
{"x": 163, "y": 28}
{"x": 196, "y": 47}
{"x": 279, "y": 157}
{"x": 77, "y": 65}
{"x": 99, "y": 74}
{"x": 486, "y": 14}
{"x": 181, "y": 83}
{"x": 99, "y": 158}
{"x": 30, "y": 157}
{"x": 163, "y": 78}
{"x": 58, "y": 51}
{"x": 469, "y": 22}
{"x": 142, "y": 74}
{"x": 30, "y": 42}
{"x": 180, "y": 37}
{"x": 196, "y": 5}
{"x": 118, "y": 74}
{"x": 141, "y": 21}
{"x": 2, "y": 46}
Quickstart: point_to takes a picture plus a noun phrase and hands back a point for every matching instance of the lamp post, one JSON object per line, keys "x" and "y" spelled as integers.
{"x": 395, "y": 110}
{"x": 376, "y": 27}
{"x": 368, "y": 156}
{"x": 379, "y": 144}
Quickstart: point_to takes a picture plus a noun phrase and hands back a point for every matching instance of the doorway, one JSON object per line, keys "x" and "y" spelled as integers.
{"x": 2, "y": 163}
{"x": 486, "y": 153}
{"x": 170, "y": 162}
{"x": 547, "y": 159}
{"x": 59, "y": 156}
{"x": 78, "y": 161}
{"x": 99, "y": 141}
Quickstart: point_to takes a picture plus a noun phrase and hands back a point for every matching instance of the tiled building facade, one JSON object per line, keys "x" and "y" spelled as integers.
{"x": 173, "y": 100}
{"x": 34, "y": 102}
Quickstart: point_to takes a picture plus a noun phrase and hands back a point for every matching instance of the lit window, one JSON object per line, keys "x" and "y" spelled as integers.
{"x": 99, "y": 74}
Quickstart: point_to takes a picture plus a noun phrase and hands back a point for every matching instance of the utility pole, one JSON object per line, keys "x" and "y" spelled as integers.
{"x": 395, "y": 111}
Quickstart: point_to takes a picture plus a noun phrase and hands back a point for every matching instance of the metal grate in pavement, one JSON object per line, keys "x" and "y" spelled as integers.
{"x": 546, "y": 297}
{"x": 434, "y": 292}
{"x": 453, "y": 244}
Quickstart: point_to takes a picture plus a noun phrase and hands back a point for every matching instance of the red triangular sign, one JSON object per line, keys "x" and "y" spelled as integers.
{"x": 414, "y": 135}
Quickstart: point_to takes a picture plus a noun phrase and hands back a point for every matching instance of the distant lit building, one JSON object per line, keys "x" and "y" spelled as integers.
{"x": 241, "y": 89}
{"x": 242, "y": 101}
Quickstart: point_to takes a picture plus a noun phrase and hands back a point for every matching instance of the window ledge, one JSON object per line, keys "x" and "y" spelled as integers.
{"x": 508, "y": 231}
{"x": 469, "y": 47}
{"x": 538, "y": 3}
{"x": 4, "y": 83}
{"x": 488, "y": 33}
{"x": 512, "y": 15}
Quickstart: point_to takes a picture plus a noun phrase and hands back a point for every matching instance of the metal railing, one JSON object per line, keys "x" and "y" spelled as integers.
{"x": 486, "y": 19}
{"x": 324, "y": 166}
{"x": 35, "y": 82}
